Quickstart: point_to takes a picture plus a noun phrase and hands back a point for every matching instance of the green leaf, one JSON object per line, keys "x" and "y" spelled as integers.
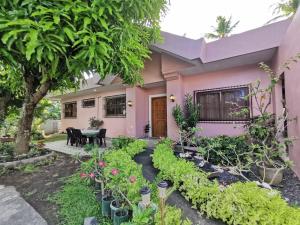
{"x": 32, "y": 44}
{"x": 69, "y": 33}
{"x": 101, "y": 11}
{"x": 39, "y": 53}
{"x": 103, "y": 23}
{"x": 56, "y": 19}
{"x": 86, "y": 21}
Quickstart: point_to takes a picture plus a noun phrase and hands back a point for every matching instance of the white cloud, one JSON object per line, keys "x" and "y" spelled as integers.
{"x": 195, "y": 17}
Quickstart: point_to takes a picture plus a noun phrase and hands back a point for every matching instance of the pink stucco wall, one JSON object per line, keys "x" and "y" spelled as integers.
{"x": 290, "y": 47}
{"x": 231, "y": 77}
{"x": 152, "y": 69}
{"x": 138, "y": 114}
{"x": 115, "y": 126}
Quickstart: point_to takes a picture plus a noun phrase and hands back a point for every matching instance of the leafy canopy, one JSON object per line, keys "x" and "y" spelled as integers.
{"x": 223, "y": 29}
{"x": 54, "y": 41}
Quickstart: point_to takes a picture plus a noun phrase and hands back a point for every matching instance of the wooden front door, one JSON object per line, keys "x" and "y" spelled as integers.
{"x": 159, "y": 116}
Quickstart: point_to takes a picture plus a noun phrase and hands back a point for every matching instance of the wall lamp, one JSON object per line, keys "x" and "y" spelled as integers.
{"x": 129, "y": 103}
{"x": 172, "y": 98}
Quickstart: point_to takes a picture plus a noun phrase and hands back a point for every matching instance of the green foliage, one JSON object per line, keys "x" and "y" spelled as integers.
{"x": 6, "y": 151}
{"x": 121, "y": 142}
{"x": 173, "y": 216}
{"x": 50, "y": 44}
{"x": 223, "y": 29}
{"x": 77, "y": 201}
{"x": 57, "y": 40}
{"x": 30, "y": 168}
{"x": 90, "y": 147}
{"x": 187, "y": 117}
{"x": 239, "y": 203}
{"x": 225, "y": 150}
{"x": 141, "y": 216}
{"x": 171, "y": 168}
{"x": 9, "y": 125}
{"x": 286, "y": 8}
{"x": 95, "y": 123}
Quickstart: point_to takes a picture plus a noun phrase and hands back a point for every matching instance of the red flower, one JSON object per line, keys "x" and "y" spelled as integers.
{"x": 132, "y": 179}
{"x": 102, "y": 164}
{"x": 92, "y": 175}
{"x": 114, "y": 172}
{"x": 83, "y": 175}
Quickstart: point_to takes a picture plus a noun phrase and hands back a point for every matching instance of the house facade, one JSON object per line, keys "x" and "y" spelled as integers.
{"x": 214, "y": 73}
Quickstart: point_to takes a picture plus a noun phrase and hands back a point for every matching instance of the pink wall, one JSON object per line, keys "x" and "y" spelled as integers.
{"x": 231, "y": 77}
{"x": 289, "y": 47}
{"x": 152, "y": 69}
{"x": 170, "y": 64}
{"x": 115, "y": 126}
{"x": 138, "y": 114}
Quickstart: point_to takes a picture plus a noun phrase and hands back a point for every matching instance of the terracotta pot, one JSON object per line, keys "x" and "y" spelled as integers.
{"x": 270, "y": 175}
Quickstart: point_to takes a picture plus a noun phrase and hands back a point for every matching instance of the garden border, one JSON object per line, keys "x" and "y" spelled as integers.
{"x": 14, "y": 164}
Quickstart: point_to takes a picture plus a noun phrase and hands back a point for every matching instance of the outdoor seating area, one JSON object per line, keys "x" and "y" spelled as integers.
{"x": 80, "y": 138}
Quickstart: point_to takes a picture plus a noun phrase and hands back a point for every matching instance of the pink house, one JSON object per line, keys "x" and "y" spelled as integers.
{"x": 213, "y": 73}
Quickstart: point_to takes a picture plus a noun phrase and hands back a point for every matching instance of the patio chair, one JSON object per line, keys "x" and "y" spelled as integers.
{"x": 101, "y": 137}
{"x": 80, "y": 139}
{"x": 70, "y": 136}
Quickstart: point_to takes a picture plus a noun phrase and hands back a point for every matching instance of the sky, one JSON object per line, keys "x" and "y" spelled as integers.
{"x": 194, "y": 18}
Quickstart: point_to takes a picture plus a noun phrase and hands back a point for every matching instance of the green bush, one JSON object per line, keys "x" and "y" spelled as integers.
{"x": 6, "y": 151}
{"x": 173, "y": 216}
{"x": 121, "y": 142}
{"x": 239, "y": 203}
{"x": 225, "y": 150}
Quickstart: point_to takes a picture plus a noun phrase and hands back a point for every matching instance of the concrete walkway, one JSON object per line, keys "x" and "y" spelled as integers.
{"x": 62, "y": 147}
{"x": 15, "y": 210}
{"x": 175, "y": 199}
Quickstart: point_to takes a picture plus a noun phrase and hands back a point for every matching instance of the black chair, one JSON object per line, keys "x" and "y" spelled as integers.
{"x": 101, "y": 137}
{"x": 70, "y": 136}
{"x": 79, "y": 138}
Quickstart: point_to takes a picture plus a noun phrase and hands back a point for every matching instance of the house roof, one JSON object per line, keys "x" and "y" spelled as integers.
{"x": 259, "y": 39}
{"x": 245, "y": 48}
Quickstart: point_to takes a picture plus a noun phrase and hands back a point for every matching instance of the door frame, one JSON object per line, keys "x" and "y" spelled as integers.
{"x": 150, "y": 110}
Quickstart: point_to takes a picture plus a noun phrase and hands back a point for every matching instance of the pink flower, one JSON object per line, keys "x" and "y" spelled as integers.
{"x": 92, "y": 175}
{"x": 114, "y": 172}
{"x": 132, "y": 179}
{"x": 102, "y": 164}
{"x": 83, "y": 175}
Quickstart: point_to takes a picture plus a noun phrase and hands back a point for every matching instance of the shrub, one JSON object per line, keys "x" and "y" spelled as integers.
{"x": 121, "y": 142}
{"x": 239, "y": 203}
{"x": 225, "y": 150}
{"x": 6, "y": 151}
{"x": 173, "y": 216}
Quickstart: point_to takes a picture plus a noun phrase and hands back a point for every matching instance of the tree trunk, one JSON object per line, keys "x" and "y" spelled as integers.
{"x": 24, "y": 128}
{"x": 32, "y": 98}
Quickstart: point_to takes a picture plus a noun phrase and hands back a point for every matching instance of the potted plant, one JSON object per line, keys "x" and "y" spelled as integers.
{"x": 95, "y": 123}
{"x": 186, "y": 119}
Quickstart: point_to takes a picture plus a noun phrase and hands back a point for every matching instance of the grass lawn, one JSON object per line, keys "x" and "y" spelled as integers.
{"x": 55, "y": 137}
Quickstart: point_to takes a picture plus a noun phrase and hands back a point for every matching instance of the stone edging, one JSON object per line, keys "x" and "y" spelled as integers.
{"x": 14, "y": 164}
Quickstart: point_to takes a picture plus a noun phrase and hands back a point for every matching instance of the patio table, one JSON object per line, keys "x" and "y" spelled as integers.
{"x": 90, "y": 134}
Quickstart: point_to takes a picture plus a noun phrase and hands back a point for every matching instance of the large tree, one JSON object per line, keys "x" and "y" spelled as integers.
{"x": 50, "y": 43}
{"x": 223, "y": 29}
{"x": 286, "y": 8}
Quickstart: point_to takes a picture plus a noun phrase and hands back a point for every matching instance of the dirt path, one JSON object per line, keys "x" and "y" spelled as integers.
{"x": 36, "y": 187}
